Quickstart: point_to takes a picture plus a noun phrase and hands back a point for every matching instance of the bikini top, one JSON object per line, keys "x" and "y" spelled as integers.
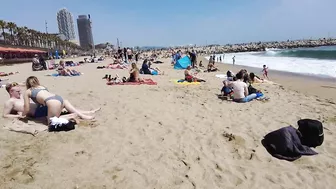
{"x": 34, "y": 93}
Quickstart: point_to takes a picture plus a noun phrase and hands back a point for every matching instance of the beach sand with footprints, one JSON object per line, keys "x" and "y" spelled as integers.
{"x": 169, "y": 135}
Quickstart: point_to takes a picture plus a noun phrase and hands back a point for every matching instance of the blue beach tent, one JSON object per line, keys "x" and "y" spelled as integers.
{"x": 182, "y": 63}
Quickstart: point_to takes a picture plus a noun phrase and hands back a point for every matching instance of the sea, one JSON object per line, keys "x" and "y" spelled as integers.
{"x": 317, "y": 61}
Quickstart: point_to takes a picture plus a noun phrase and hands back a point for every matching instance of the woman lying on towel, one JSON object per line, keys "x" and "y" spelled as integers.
{"x": 190, "y": 77}
{"x": 63, "y": 71}
{"x": 54, "y": 103}
{"x": 117, "y": 66}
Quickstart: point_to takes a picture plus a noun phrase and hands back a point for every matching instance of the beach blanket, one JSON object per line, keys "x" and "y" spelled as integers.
{"x": 285, "y": 143}
{"x": 184, "y": 82}
{"x": 27, "y": 128}
{"x": 145, "y": 82}
{"x": 57, "y": 75}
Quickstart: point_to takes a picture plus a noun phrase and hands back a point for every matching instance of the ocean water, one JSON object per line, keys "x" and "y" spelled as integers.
{"x": 320, "y": 61}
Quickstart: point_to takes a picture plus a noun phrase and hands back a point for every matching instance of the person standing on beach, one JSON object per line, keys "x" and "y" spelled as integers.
{"x": 233, "y": 60}
{"x": 119, "y": 53}
{"x": 192, "y": 59}
{"x": 137, "y": 57}
{"x": 265, "y": 72}
{"x": 125, "y": 54}
{"x": 129, "y": 54}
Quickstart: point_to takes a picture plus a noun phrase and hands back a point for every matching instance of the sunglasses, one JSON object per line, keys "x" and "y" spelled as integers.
{"x": 11, "y": 86}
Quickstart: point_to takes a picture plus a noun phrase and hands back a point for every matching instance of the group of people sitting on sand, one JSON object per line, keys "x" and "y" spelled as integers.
{"x": 147, "y": 69}
{"x": 38, "y": 102}
{"x": 39, "y": 63}
{"x": 239, "y": 87}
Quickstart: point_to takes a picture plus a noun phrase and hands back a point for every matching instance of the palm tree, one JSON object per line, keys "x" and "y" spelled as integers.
{"x": 3, "y": 26}
{"x": 11, "y": 26}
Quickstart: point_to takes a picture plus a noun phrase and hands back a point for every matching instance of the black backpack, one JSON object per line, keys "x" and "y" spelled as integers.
{"x": 311, "y": 131}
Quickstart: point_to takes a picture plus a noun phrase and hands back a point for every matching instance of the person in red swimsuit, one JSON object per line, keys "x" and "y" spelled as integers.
{"x": 265, "y": 71}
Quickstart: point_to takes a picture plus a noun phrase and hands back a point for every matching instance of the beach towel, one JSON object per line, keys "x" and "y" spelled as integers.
{"x": 285, "y": 143}
{"x": 145, "y": 82}
{"x": 27, "y": 128}
{"x": 222, "y": 76}
{"x": 57, "y": 75}
{"x": 184, "y": 82}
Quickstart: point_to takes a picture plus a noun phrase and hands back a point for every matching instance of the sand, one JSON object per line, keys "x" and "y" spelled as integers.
{"x": 166, "y": 136}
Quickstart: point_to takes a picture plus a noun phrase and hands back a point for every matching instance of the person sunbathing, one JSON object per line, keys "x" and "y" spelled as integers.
{"x": 134, "y": 74}
{"x": 154, "y": 71}
{"x": 190, "y": 77}
{"x": 63, "y": 71}
{"x": 255, "y": 79}
{"x": 116, "y": 66}
{"x": 211, "y": 67}
{"x": 54, "y": 103}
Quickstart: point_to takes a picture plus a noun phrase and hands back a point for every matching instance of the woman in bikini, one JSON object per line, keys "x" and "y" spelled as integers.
{"x": 55, "y": 103}
{"x": 190, "y": 78}
{"x": 134, "y": 74}
{"x": 255, "y": 79}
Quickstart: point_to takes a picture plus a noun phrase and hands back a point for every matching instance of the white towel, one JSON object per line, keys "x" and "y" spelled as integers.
{"x": 222, "y": 76}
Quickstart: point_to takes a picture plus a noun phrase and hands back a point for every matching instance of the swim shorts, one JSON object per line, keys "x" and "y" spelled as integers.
{"x": 154, "y": 72}
{"x": 41, "y": 111}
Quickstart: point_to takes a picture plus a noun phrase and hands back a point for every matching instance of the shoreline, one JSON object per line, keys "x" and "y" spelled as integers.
{"x": 308, "y": 85}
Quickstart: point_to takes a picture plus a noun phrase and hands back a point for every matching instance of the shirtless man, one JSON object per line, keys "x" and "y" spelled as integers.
{"x": 13, "y": 107}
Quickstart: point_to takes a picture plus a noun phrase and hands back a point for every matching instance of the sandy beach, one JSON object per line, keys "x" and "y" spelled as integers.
{"x": 169, "y": 135}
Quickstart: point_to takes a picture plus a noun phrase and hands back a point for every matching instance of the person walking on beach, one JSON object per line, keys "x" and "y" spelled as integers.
{"x": 233, "y": 60}
{"x": 265, "y": 72}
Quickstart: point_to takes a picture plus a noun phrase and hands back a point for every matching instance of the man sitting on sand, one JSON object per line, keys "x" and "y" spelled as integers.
{"x": 14, "y": 106}
{"x": 240, "y": 89}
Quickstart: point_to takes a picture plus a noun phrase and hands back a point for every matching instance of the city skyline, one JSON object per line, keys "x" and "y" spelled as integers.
{"x": 164, "y": 24}
{"x": 66, "y": 24}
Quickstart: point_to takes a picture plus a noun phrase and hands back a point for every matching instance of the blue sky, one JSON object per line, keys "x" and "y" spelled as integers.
{"x": 173, "y": 22}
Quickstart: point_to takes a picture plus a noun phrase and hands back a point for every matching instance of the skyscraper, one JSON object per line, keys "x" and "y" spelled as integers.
{"x": 85, "y": 32}
{"x": 66, "y": 24}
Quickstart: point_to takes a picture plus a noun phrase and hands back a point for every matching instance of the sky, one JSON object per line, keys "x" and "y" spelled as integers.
{"x": 173, "y": 22}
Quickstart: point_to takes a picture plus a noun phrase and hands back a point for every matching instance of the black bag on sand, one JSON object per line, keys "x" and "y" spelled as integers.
{"x": 311, "y": 131}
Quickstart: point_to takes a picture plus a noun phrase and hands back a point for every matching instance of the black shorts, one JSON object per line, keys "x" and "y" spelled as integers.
{"x": 129, "y": 57}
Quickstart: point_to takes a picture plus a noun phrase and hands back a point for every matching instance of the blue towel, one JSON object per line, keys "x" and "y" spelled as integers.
{"x": 56, "y": 75}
